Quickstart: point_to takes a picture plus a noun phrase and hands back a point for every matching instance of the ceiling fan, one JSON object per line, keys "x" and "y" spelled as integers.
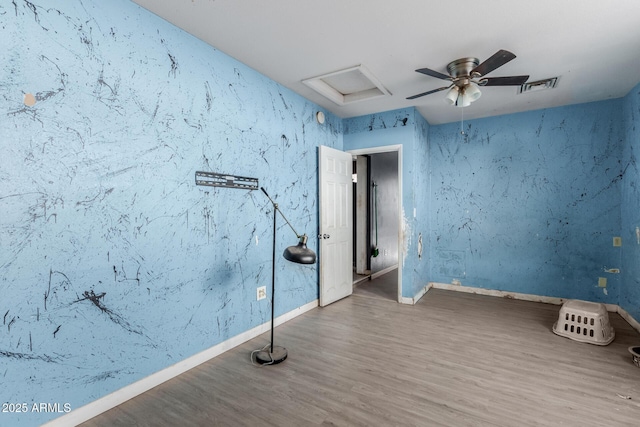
{"x": 467, "y": 74}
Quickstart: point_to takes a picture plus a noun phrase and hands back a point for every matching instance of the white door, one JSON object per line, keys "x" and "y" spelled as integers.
{"x": 336, "y": 225}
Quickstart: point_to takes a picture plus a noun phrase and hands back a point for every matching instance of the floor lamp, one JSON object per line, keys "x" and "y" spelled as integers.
{"x": 299, "y": 254}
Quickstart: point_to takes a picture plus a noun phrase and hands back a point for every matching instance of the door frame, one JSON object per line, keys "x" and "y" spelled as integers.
{"x": 386, "y": 149}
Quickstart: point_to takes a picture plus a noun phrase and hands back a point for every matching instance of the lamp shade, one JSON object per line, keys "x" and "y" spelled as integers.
{"x": 300, "y": 253}
{"x": 463, "y": 101}
{"x": 467, "y": 95}
{"x": 452, "y": 95}
{"x": 472, "y": 91}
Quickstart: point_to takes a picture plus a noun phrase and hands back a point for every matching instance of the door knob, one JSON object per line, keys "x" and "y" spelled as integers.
{"x": 323, "y": 236}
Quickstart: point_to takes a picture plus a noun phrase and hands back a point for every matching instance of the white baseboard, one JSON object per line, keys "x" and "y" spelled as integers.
{"x": 416, "y": 298}
{"x": 90, "y": 410}
{"x": 630, "y": 320}
{"x": 383, "y": 271}
{"x": 495, "y": 293}
{"x": 613, "y": 308}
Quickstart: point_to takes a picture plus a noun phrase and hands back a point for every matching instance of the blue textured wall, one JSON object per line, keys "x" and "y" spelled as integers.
{"x": 526, "y": 203}
{"x": 113, "y": 263}
{"x": 419, "y": 215}
{"x": 408, "y": 128}
{"x": 630, "y": 295}
{"x": 530, "y": 202}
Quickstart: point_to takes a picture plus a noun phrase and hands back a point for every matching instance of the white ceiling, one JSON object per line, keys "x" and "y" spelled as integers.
{"x": 593, "y": 46}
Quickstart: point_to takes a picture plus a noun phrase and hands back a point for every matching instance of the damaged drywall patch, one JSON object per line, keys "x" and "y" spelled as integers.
{"x": 406, "y": 237}
{"x": 450, "y": 263}
{"x": 29, "y": 100}
{"x": 602, "y": 283}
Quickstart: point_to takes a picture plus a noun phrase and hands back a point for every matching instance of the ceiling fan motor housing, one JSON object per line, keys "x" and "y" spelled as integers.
{"x": 460, "y": 70}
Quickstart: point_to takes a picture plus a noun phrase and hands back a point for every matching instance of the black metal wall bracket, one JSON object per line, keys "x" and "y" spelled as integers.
{"x": 213, "y": 179}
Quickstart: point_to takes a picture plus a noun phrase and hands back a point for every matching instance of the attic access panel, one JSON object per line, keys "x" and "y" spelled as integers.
{"x": 347, "y": 86}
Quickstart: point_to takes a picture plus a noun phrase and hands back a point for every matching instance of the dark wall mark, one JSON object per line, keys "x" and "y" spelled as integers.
{"x": 284, "y": 103}
{"x": 66, "y": 282}
{"x": 263, "y": 154}
{"x": 114, "y": 317}
{"x": 174, "y": 65}
{"x": 43, "y": 96}
{"x": 208, "y": 96}
{"x": 207, "y": 219}
{"x": 24, "y": 356}
{"x": 56, "y": 331}
{"x": 34, "y": 9}
{"x": 95, "y": 299}
{"x": 197, "y": 126}
{"x": 285, "y": 141}
{"x": 113, "y": 90}
{"x": 13, "y": 320}
{"x": 86, "y": 39}
{"x": 102, "y": 377}
{"x": 124, "y": 274}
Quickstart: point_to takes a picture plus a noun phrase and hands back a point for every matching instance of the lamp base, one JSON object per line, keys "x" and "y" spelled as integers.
{"x": 265, "y": 357}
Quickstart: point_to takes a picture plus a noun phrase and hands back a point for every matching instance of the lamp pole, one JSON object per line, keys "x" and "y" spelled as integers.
{"x": 273, "y": 274}
{"x": 299, "y": 254}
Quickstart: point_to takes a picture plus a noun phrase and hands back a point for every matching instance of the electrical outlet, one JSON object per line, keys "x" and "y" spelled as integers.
{"x": 261, "y": 293}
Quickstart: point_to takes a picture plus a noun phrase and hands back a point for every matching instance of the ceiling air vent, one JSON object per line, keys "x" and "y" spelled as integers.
{"x": 346, "y": 86}
{"x": 539, "y": 85}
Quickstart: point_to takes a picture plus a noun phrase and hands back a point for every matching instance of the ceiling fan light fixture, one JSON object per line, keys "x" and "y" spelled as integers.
{"x": 463, "y": 101}
{"x": 469, "y": 93}
{"x": 472, "y": 91}
{"x": 452, "y": 95}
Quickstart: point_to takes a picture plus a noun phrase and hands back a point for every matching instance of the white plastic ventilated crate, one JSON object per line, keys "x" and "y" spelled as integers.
{"x": 584, "y": 321}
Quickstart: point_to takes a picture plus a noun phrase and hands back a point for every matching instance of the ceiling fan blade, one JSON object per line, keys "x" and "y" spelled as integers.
{"x": 428, "y": 93}
{"x": 432, "y": 73}
{"x": 498, "y": 59}
{"x": 504, "y": 81}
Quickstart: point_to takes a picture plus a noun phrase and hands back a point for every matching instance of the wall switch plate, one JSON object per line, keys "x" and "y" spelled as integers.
{"x": 617, "y": 241}
{"x": 261, "y": 293}
{"x": 602, "y": 282}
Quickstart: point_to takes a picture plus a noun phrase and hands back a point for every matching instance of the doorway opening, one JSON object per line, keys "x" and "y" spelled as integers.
{"x": 377, "y": 208}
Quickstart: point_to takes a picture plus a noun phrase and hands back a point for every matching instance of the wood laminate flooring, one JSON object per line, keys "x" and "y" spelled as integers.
{"x": 453, "y": 359}
{"x": 385, "y": 286}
